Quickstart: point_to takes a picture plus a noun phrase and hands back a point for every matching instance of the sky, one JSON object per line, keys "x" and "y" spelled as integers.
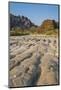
{"x": 37, "y": 13}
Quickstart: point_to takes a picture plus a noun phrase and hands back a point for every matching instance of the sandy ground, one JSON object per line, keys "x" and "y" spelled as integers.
{"x": 33, "y": 60}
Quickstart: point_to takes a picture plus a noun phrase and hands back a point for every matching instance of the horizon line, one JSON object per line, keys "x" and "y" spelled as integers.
{"x": 32, "y": 21}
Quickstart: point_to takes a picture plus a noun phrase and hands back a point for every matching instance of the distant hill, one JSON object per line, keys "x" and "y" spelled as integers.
{"x": 48, "y": 26}
{"x": 21, "y": 22}
{"x": 21, "y": 25}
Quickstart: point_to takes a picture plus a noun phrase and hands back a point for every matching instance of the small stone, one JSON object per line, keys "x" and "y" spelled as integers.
{"x": 14, "y": 76}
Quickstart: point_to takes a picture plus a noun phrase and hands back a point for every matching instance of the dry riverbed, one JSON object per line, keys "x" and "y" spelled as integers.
{"x": 33, "y": 60}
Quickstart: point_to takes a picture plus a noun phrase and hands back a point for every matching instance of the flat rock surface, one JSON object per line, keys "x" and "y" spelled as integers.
{"x": 33, "y": 60}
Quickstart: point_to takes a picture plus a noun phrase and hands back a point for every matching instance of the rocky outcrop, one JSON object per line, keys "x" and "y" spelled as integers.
{"x": 33, "y": 61}
{"x": 48, "y": 25}
{"x": 20, "y": 22}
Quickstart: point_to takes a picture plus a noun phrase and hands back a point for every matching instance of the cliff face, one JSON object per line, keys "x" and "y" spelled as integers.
{"x": 20, "y": 21}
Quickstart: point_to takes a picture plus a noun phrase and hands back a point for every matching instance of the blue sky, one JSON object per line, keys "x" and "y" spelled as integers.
{"x": 35, "y": 12}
